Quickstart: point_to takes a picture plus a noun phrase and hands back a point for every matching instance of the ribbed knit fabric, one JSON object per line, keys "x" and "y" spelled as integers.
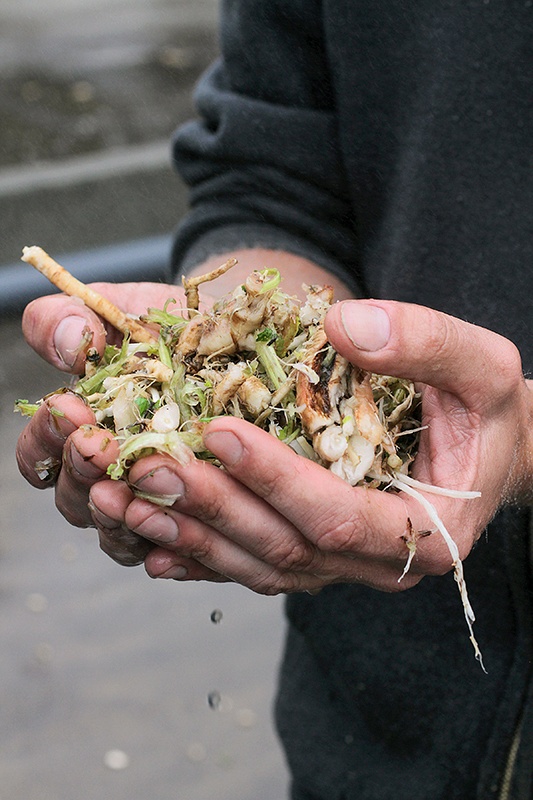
{"x": 390, "y": 142}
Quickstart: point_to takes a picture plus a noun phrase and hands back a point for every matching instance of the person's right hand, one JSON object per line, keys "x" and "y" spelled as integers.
{"x": 61, "y": 446}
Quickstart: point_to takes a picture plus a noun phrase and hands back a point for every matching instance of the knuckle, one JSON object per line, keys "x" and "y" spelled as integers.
{"x": 273, "y": 484}
{"x": 443, "y": 339}
{"x": 269, "y": 584}
{"x": 510, "y": 373}
{"x": 292, "y": 555}
{"x": 202, "y": 549}
{"x": 209, "y": 507}
{"x": 343, "y": 533}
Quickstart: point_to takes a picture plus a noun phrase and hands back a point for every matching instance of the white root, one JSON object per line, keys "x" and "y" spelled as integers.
{"x": 441, "y": 490}
{"x": 399, "y": 483}
{"x": 225, "y": 389}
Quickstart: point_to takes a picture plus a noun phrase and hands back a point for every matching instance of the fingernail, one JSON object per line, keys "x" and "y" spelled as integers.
{"x": 159, "y": 527}
{"x": 159, "y": 567}
{"x": 59, "y": 425}
{"x": 367, "y": 326}
{"x": 68, "y": 336}
{"x": 82, "y": 465}
{"x": 225, "y": 446}
{"x": 101, "y": 519}
{"x": 161, "y": 482}
{"x": 176, "y": 573}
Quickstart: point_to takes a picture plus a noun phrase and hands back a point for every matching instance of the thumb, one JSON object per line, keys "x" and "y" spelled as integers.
{"x": 55, "y": 325}
{"x": 424, "y": 345}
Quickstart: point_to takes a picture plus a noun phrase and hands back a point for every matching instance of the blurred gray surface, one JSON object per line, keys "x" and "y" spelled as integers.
{"x": 95, "y": 657}
{"x": 104, "y": 674}
{"x": 90, "y": 93}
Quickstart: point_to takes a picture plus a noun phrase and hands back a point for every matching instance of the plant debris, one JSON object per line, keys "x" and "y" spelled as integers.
{"x": 261, "y": 355}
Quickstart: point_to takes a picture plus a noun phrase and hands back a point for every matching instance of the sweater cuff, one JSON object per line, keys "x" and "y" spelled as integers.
{"x": 230, "y": 238}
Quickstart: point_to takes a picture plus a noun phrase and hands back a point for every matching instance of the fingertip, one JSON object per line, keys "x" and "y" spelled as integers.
{"x": 367, "y": 326}
{"x": 72, "y": 336}
{"x": 61, "y": 329}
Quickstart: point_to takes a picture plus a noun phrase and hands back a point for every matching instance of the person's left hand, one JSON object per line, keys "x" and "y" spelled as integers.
{"x": 276, "y": 522}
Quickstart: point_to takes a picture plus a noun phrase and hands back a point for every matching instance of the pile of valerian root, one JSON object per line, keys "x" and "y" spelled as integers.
{"x": 261, "y": 355}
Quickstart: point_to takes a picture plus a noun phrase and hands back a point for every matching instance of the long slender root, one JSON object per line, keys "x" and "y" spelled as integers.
{"x": 67, "y": 283}
{"x": 404, "y": 486}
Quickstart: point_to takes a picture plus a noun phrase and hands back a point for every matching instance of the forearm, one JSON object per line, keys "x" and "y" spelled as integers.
{"x": 295, "y": 271}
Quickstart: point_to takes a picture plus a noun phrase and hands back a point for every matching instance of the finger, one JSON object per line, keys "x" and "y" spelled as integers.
{"x": 161, "y": 563}
{"x": 202, "y": 490}
{"x": 40, "y": 445}
{"x": 196, "y": 541}
{"x": 190, "y": 541}
{"x": 60, "y": 329}
{"x": 335, "y": 517}
{"x": 86, "y": 456}
{"x": 219, "y": 523}
{"x": 424, "y": 345}
{"x": 58, "y": 326}
{"x": 108, "y": 501}
{"x": 333, "y": 514}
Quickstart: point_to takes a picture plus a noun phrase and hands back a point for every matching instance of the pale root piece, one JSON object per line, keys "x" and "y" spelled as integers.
{"x": 191, "y": 285}
{"x": 67, "y": 283}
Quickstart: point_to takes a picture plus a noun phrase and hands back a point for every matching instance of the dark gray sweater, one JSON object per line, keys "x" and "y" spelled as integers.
{"x": 390, "y": 142}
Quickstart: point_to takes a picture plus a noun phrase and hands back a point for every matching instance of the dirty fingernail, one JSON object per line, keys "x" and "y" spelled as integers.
{"x": 68, "y": 336}
{"x": 161, "y": 482}
{"x": 101, "y": 519}
{"x": 159, "y": 527}
{"x": 161, "y": 565}
{"x": 367, "y": 326}
{"x": 176, "y": 573}
{"x": 225, "y": 446}
{"x": 60, "y": 426}
{"x": 84, "y": 466}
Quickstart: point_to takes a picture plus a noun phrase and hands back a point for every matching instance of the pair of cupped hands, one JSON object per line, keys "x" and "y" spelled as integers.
{"x": 272, "y": 520}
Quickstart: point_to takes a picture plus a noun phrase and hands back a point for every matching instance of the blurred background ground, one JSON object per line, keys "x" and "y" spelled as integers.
{"x": 90, "y": 92}
{"x": 106, "y": 676}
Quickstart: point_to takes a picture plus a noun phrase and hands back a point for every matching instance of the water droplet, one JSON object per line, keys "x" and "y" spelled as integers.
{"x": 216, "y": 616}
{"x": 36, "y": 602}
{"x": 196, "y": 752}
{"x": 214, "y": 700}
{"x": 44, "y": 653}
{"x": 245, "y": 717}
{"x": 69, "y": 552}
{"x": 116, "y": 759}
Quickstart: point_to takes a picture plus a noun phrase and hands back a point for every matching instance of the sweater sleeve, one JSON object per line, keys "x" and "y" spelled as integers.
{"x": 262, "y": 161}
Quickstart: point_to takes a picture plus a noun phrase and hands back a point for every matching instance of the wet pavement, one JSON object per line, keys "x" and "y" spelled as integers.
{"x": 111, "y": 685}
{"x": 90, "y": 93}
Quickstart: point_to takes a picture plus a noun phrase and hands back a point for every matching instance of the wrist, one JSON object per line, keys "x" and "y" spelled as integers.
{"x": 295, "y": 271}
{"x": 519, "y": 488}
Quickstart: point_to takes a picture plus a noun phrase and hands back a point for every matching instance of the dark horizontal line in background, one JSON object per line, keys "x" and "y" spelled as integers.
{"x": 90, "y": 167}
{"x": 136, "y": 260}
